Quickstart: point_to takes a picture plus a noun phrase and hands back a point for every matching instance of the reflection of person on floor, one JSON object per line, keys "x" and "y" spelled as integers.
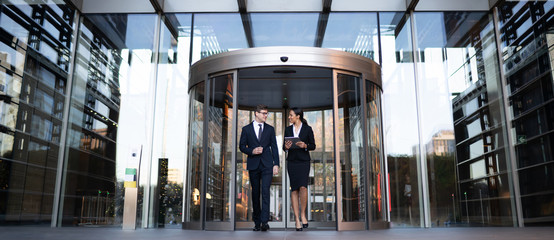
{"x": 408, "y": 197}
{"x": 298, "y": 163}
{"x": 258, "y": 141}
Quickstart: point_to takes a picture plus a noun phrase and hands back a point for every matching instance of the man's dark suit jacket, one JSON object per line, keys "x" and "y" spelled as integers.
{"x": 249, "y": 141}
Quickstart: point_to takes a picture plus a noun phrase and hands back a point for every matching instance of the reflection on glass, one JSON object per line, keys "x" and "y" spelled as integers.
{"x": 528, "y": 50}
{"x": 352, "y": 160}
{"x": 220, "y": 150}
{"x": 400, "y": 128}
{"x": 243, "y": 210}
{"x": 459, "y": 77}
{"x": 195, "y": 154}
{"x": 216, "y": 33}
{"x": 34, "y": 55}
{"x": 353, "y": 32}
{"x": 110, "y": 113}
{"x": 377, "y": 188}
{"x": 322, "y": 198}
{"x": 172, "y": 110}
{"x": 284, "y": 29}
{"x": 477, "y": 169}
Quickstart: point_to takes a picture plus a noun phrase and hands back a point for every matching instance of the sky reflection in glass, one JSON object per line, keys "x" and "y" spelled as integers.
{"x": 353, "y": 32}
{"x": 284, "y": 29}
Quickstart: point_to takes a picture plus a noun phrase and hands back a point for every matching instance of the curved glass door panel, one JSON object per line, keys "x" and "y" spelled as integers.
{"x": 219, "y": 168}
{"x": 321, "y": 191}
{"x": 377, "y": 180}
{"x": 350, "y": 165}
{"x": 243, "y": 211}
{"x": 195, "y": 157}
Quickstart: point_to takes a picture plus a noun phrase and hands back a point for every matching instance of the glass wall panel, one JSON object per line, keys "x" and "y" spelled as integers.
{"x": 400, "y": 124}
{"x": 171, "y": 121}
{"x": 195, "y": 154}
{"x": 35, "y": 40}
{"x": 462, "y": 119}
{"x": 353, "y": 32}
{"x": 527, "y": 35}
{"x": 111, "y": 116}
{"x": 220, "y": 150}
{"x": 351, "y": 148}
{"x": 215, "y": 33}
{"x": 284, "y": 29}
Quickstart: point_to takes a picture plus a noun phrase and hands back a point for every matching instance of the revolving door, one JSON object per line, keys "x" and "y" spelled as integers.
{"x": 340, "y": 94}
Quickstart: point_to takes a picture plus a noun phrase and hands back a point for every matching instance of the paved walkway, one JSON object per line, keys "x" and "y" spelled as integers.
{"x": 84, "y": 233}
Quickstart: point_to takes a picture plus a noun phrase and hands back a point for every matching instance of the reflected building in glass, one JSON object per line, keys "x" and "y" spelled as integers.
{"x": 455, "y": 129}
{"x": 35, "y": 49}
{"x": 528, "y": 45}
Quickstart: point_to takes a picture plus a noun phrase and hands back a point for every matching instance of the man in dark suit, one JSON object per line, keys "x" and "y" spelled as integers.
{"x": 258, "y": 141}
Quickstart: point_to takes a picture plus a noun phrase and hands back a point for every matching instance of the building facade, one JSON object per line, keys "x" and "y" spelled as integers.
{"x": 87, "y": 87}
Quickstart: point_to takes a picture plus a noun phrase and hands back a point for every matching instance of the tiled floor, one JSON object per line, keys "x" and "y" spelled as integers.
{"x": 74, "y": 233}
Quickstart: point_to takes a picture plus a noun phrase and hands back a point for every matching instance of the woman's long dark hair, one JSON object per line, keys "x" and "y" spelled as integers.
{"x": 299, "y": 112}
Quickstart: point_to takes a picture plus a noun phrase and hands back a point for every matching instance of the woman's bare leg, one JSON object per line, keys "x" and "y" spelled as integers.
{"x": 294, "y": 201}
{"x": 303, "y": 203}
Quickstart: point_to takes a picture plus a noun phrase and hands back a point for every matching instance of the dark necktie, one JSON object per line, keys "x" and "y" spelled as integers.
{"x": 260, "y": 132}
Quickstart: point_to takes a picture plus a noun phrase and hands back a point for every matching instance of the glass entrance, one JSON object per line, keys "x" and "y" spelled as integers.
{"x": 281, "y": 89}
{"x": 347, "y": 186}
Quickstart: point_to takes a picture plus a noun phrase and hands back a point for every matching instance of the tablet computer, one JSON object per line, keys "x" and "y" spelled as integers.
{"x": 294, "y": 140}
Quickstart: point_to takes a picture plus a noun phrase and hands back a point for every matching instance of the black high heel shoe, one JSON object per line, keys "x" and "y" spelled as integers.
{"x": 299, "y": 229}
{"x": 305, "y": 225}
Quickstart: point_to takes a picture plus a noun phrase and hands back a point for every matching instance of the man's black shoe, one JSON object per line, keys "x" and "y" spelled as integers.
{"x": 265, "y": 227}
{"x": 256, "y": 228}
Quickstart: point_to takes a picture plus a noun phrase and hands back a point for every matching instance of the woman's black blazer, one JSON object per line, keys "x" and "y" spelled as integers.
{"x": 306, "y": 135}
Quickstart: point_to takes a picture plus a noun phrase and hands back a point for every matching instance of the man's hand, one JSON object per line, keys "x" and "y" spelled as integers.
{"x": 258, "y": 150}
{"x": 275, "y": 170}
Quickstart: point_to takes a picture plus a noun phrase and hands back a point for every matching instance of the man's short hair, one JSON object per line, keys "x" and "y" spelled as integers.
{"x": 261, "y": 107}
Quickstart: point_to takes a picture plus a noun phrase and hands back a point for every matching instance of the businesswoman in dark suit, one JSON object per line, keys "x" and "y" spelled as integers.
{"x": 298, "y": 163}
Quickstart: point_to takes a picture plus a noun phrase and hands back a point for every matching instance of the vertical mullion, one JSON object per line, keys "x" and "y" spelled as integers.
{"x": 513, "y": 176}
{"x": 367, "y": 159}
{"x": 338, "y": 180}
{"x": 234, "y": 156}
{"x": 422, "y": 164}
{"x": 57, "y": 206}
{"x": 203, "y": 161}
